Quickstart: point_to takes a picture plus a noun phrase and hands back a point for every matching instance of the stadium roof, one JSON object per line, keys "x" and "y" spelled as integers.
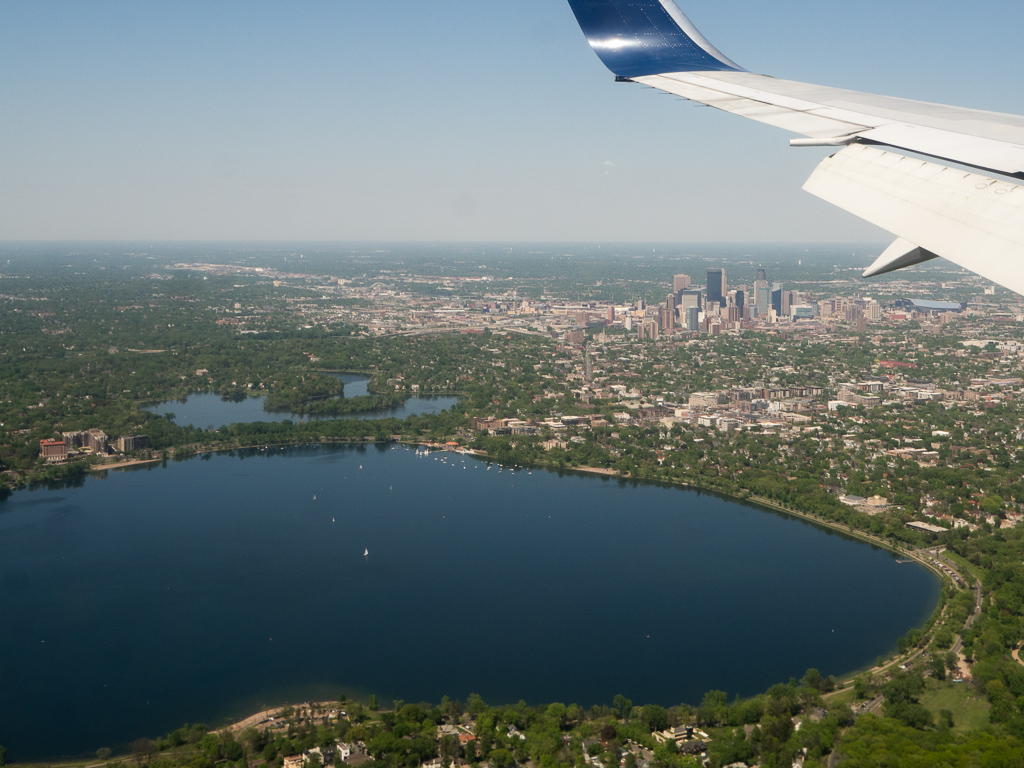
{"x": 936, "y": 306}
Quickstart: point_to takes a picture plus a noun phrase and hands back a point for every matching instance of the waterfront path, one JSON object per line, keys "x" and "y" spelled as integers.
{"x": 1016, "y": 655}
{"x": 253, "y": 720}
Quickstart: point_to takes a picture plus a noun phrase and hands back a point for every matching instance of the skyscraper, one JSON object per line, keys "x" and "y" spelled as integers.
{"x": 692, "y": 319}
{"x": 777, "y": 298}
{"x": 762, "y": 296}
{"x": 762, "y": 275}
{"x": 680, "y": 283}
{"x": 716, "y": 287}
{"x": 687, "y": 299}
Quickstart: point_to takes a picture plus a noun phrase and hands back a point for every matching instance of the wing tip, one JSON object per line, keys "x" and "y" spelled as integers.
{"x": 902, "y": 253}
{"x": 635, "y": 38}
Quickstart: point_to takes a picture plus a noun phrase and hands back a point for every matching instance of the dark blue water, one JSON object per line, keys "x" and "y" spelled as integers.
{"x": 355, "y": 385}
{"x": 209, "y": 411}
{"x": 208, "y": 588}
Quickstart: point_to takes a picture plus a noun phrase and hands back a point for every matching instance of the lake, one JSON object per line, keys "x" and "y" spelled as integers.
{"x": 208, "y": 411}
{"x": 208, "y": 588}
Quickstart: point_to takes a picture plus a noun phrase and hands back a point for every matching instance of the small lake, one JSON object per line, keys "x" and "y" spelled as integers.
{"x": 208, "y": 588}
{"x": 209, "y": 411}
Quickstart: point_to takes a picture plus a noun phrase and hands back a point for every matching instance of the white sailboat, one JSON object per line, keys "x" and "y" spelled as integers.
{"x": 366, "y": 553}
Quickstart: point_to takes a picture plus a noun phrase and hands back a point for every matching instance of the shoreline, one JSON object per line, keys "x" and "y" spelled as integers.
{"x": 125, "y": 463}
{"x": 935, "y": 620}
{"x": 847, "y": 678}
{"x": 756, "y": 501}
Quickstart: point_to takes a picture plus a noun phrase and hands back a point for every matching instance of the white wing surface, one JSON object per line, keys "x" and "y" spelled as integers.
{"x": 934, "y": 210}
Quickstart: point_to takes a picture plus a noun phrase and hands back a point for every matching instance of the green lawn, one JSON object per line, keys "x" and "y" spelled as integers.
{"x": 968, "y": 570}
{"x": 970, "y": 710}
{"x": 844, "y": 696}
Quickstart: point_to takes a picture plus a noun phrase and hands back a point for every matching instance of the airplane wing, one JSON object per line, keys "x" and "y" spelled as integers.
{"x": 973, "y": 220}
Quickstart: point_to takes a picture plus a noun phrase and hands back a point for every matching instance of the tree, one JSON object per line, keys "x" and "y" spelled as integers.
{"x": 143, "y": 751}
{"x": 449, "y": 746}
{"x": 3, "y": 755}
{"x": 944, "y": 638}
{"x": 103, "y": 753}
{"x": 901, "y": 700}
{"x": 623, "y": 705}
{"x": 712, "y": 708}
{"x": 776, "y": 730}
{"x": 210, "y": 744}
{"x": 231, "y": 749}
{"x": 937, "y": 666}
{"x": 731, "y": 747}
{"x": 475, "y": 705}
{"x": 859, "y": 690}
{"x": 253, "y": 738}
{"x": 371, "y": 702}
{"x": 1001, "y": 700}
{"x": 813, "y": 679}
{"x": 270, "y": 751}
{"x": 557, "y": 712}
{"x": 946, "y": 719}
{"x": 654, "y": 717}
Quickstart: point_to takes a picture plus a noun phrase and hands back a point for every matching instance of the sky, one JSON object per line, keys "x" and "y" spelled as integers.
{"x": 461, "y": 120}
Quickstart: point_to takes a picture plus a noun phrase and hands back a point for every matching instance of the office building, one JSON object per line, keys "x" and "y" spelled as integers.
{"x": 689, "y": 299}
{"x": 129, "y": 443}
{"x": 716, "y": 287}
{"x": 648, "y": 330}
{"x": 762, "y": 296}
{"x": 693, "y": 319}
{"x": 53, "y": 450}
{"x": 94, "y": 439}
{"x": 777, "y": 298}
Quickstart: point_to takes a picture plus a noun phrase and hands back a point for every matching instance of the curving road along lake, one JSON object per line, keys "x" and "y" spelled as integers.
{"x": 207, "y": 588}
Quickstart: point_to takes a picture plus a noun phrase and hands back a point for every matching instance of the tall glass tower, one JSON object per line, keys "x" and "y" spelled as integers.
{"x": 716, "y": 287}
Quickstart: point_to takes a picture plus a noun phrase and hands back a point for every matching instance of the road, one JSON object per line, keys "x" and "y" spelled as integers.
{"x": 930, "y": 557}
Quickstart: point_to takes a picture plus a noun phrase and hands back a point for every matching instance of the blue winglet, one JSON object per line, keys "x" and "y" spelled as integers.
{"x": 646, "y": 37}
